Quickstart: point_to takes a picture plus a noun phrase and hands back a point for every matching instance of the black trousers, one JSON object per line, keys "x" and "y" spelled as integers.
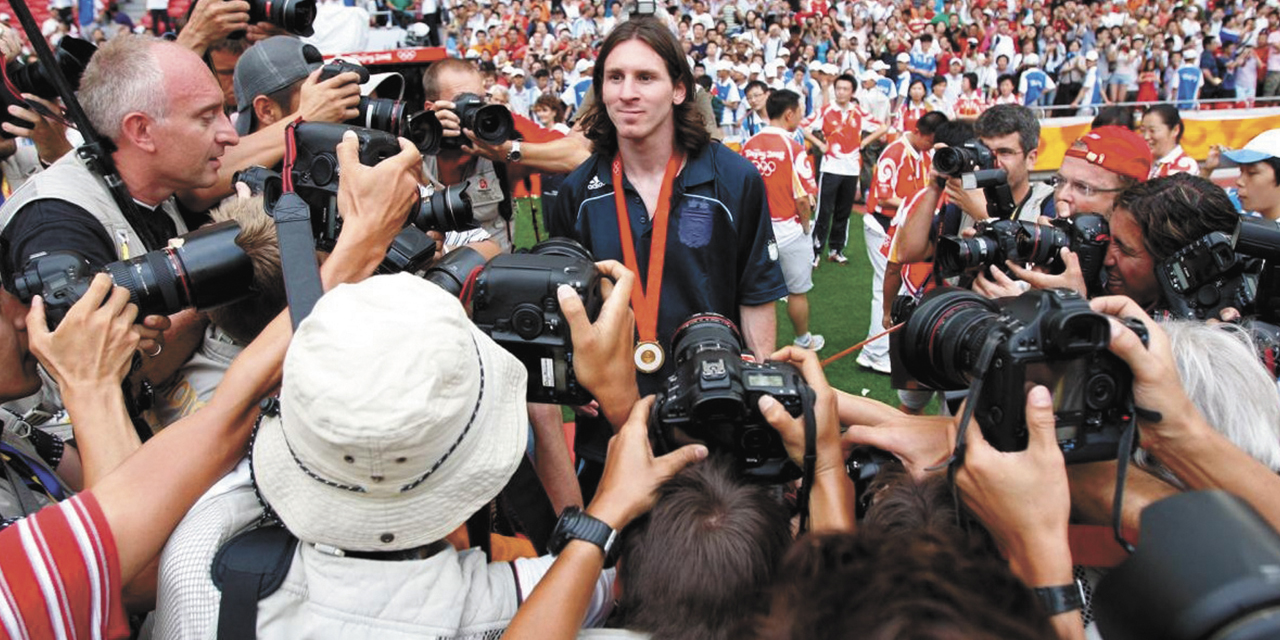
{"x": 836, "y": 194}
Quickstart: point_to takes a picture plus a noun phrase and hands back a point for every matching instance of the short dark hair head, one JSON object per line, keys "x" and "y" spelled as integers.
{"x": 939, "y": 80}
{"x": 703, "y": 81}
{"x": 929, "y": 123}
{"x": 756, "y": 84}
{"x": 1174, "y": 211}
{"x": 781, "y": 101}
{"x": 1274, "y": 163}
{"x": 698, "y": 565}
{"x": 691, "y": 134}
{"x": 1003, "y": 77}
{"x": 846, "y": 77}
{"x": 1169, "y": 116}
{"x": 1113, "y": 116}
{"x": 972, "y": 78}
{"x": 1004, "y": 119}
{"x": 954, "y": 133}
{"x": 926, "y": 37}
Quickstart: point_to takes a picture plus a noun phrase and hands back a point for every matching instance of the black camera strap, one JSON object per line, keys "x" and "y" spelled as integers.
{"x": 1122, "y": 471}
{"x": 95, "y": 152}
{"x": 810, "y": 456}
{"x": 956, "y": 460}
{"x": 297, "y": 243}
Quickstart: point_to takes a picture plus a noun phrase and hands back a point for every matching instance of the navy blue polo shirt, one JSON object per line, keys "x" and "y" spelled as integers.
{"x": 720, "y": 247}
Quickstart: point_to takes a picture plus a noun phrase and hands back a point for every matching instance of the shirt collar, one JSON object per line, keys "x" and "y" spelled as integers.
{"x": 1173, "y": 155}
{"x": 698, "y": 169}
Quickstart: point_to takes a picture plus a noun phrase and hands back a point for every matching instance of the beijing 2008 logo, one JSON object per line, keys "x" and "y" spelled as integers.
{"x": 406, "y": 55}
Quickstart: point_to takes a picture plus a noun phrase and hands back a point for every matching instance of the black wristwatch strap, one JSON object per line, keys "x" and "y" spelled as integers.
{"x": 575, "y": 524}
{"x": 1061, "y": 599}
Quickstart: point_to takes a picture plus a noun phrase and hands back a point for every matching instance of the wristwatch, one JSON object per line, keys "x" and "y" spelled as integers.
{"x": 1062, "y": 598}
{"x": 514, "y": 154}
{"x": 576, "y": 524}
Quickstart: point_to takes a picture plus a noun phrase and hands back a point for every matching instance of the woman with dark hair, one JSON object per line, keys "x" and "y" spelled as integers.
{"x": 1162, "y": 129}
{"x": 1149, "y": 82}
{"x": 914, "y": 107}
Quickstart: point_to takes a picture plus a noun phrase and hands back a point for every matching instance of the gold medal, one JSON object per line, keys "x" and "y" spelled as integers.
{"x": 649, "y": 357}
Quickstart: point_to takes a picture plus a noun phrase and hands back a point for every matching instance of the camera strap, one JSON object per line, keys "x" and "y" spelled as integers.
{"x": 297, "y": 244}
{"x": 1123, "y": 455}
{"x": 810, "y": 456}
{"x": 956, "y": 460}
{"x": 647, "y": 294}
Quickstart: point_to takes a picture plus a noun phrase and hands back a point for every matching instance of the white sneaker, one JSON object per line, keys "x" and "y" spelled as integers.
{"x": 837, "y": 257}
{"x": 879, "y": 366}
{"x": 815, "y": 342}
{"x": 816, "y": 261}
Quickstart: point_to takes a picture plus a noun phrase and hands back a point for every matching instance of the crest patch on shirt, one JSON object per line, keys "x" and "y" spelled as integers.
{"x": 695, "y": 224}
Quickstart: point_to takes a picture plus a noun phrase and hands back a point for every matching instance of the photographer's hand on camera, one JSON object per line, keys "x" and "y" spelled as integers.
{"x": 374, "y": 202}
{"x": 628, "y": 489}
{"x": 334, "y": 100}
{"x": 450, "y": 123}
{"x": 972, "y": 202}
{"x": 1167, "y": 415}
{"x": 260, "y": 31}
{"x": 603, "y": 349}
{"x": 1070, "y": 278}
{"x": 1170, "y": 426}
{"x": 1023, "y": 500}
{"x": 831, "y": 498}
{"x": 632, "y": 475}
{"x": 478, "y": 147}
{"x": 48, "y": 134}
{"x": 95, "y": 342}
{"x": 921, "y": 443}
{"x": 89, "y": 356}
{"x": 211, "y": 21}
{"x": 993, "y": 283}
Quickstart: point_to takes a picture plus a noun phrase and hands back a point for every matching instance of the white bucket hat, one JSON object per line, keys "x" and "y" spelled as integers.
{"x": 398, "y": 420}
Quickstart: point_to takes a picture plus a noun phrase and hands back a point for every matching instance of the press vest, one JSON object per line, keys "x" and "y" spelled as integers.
{"x": 486, "y": 194}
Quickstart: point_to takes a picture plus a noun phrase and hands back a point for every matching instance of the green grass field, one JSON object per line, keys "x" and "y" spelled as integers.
{"x": 840, "y": 306}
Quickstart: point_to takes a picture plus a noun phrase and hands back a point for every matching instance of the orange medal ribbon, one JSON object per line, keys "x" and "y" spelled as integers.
{"x": 646, "y": 295}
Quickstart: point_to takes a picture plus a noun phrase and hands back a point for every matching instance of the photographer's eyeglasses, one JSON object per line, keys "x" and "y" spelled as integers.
{"x": 1083, "y": 190}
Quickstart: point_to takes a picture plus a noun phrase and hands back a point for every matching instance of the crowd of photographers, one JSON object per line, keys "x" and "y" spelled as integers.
{"x": 273, "y": 368}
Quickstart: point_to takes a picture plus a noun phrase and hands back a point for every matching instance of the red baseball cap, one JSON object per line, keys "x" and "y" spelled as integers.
{"x": 1115, "y": 149}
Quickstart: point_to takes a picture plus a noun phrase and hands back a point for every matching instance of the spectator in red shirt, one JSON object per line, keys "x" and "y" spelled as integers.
{"x": 790, "y": 187}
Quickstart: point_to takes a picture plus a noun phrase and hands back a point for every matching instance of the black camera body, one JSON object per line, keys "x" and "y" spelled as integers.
{"x": 492, "y": 123}
{"x": 994, "y": 241}
{"x": 1207, "y": 276}
{"x": 712, "y": 398}
{"x": 1086, "y": 234}
{"x": 71, "y": 57}
{"x": 970, "y": 157}
{"x": 1047, "y": 337}
{"x": 515, "y": 303}
{"x": 975, "y": 165}
{"x": 315, "y": 179}
{"x": 202, "y": 270}
{"x": 423, "y": 129}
